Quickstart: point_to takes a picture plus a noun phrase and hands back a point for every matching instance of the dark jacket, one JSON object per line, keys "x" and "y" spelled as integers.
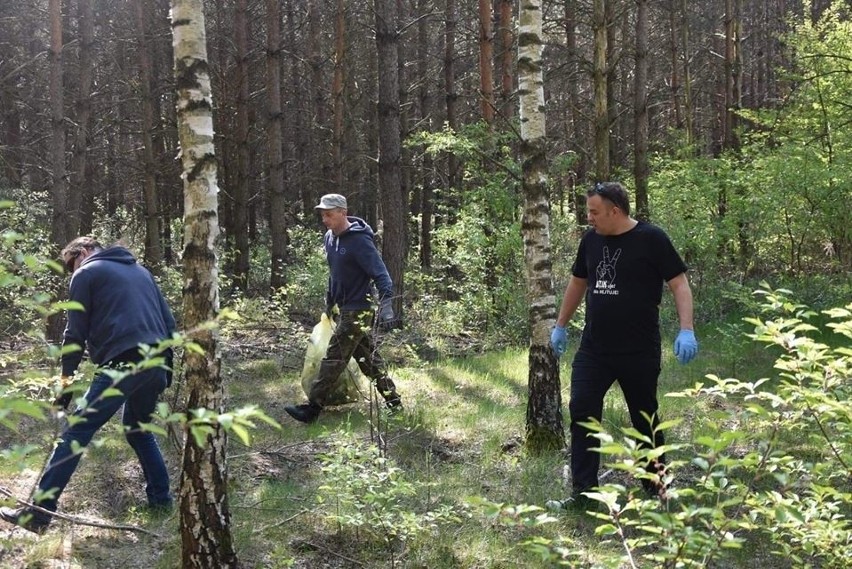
{"x": 122, "y": 307}
{"x": 354, "y": 262}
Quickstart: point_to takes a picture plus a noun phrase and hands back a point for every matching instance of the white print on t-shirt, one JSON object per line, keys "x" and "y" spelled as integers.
{"x": 605, "y": 273}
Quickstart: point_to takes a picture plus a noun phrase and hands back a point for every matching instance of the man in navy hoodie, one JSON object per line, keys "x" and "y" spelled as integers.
{"x": 122, "y": 308}
{"x": 354, "y": 263}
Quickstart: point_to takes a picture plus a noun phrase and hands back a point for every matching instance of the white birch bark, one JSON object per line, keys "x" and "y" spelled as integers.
{"x": 544, "y": 409}
{"x": 204, "y": 514}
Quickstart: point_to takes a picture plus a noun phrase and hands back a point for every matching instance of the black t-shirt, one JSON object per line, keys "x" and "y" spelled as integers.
{"x": 625, "y": 276}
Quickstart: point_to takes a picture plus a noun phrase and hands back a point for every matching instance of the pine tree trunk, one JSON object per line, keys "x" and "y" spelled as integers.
{"x": 451, "y": 100}
{"x": 599, "y": 71}
{"x": 687, "y": 74}
{"x": 576, "y": 134}
{"x": 319, "y": 150}
{"x": 507, "y": 106}
{"x": 426, "y": 194}
{"x": 241, "y": 187}
{"x": 403, "y": 59}
{"x": 486, "y": 61}
{"x": 60, "y": 234}
{"x": 393, "y": 206}
{"x": 545, "y": 432}
{"x": 675, "y": 71}
{"x": 153, "y": 251}
{"x": 204, "y": 514}
{"x": 337, "y": 90}
{"x": 640, "y": 112}
{"x": 274, "y": 141}
{"x": 81, "y": 182}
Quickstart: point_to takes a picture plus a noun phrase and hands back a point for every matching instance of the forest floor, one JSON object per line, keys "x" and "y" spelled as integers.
{"x": 460, "y": 437}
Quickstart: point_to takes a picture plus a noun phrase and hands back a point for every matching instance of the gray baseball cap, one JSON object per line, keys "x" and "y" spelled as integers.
{"x": 331, "y": 201}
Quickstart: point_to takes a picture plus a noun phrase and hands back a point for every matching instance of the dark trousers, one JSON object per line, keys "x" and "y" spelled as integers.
{"x": 591, "y": 377}
{"x": 352, "y": 338}
{"x": 138, "y": 394}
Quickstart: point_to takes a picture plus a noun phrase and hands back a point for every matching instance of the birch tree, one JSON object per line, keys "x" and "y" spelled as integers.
{"x": 204, "y": 514}
{"x": 544, "y": 409}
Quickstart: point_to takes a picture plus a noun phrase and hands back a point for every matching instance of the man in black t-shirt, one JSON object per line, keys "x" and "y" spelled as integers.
{"x": 620, "y": 269}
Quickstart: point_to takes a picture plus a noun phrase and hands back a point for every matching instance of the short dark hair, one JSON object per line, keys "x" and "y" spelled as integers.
{"x": 613, "y": 192}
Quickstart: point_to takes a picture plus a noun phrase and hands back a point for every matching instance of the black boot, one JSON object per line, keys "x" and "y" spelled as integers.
{"x": 26, "y": 518}
{"x": 306, "y": 413}
{"x": 394, "y": 403}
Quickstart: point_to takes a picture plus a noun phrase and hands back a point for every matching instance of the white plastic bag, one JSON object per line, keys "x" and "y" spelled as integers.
{"x": 349, "y": 385}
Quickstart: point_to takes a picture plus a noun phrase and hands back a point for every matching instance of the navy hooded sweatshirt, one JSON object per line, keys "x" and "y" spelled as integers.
{"x": 122, "y": 307}
{"x": 354, "y": 262}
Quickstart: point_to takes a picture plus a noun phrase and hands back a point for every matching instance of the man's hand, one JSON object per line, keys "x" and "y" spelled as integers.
{"x": 559, "y": 340}
{"x": 386, "y": 319}
{"x": 331, "y": 310}
{"x": 63, "y": 400}
{"x": 169, "y": 356}
{"x": 685, "y": 346}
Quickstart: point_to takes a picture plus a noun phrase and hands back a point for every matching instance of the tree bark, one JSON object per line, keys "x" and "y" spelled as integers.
{"x": 687, "y": 74}
{"x": 337, "y": 91}
{"x": 275, "y": 155}
{"x": 450, "y": 94}
{"x": 320, "y": 159}
{"x": 205, "y": 518}
{"x": 675, "y": 71}
{"x": 600, "y": 92}
{"x": 153, "y": 251}
{"x": 733, "y": 83}
{"x": 507, "y": 86}
{"x": 577, "y": 132}
{"x": 544, "y": 429}
{"x": 486, "y": 62}
{"x": 640, "y": 112}
{"x": 394, "y": 215}
{"x": 81, "y": 182}
{"x": 241, "y": 187}
{"x": 426, "y": 193}
{"x": 60, "y": 234}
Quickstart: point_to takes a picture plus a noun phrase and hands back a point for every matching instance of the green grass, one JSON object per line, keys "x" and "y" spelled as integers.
{"x": 460, "y": 436}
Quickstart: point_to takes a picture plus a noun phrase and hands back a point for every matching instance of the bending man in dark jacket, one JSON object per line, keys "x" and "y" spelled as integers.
{"x": 122, "y": 308}
{"x": 354, "y": 263}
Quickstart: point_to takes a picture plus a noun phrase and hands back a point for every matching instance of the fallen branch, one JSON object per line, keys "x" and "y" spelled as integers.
{"x": 78, "y": 521}
{"x": 326, "y": 550}
{"x": 282, "y": 522}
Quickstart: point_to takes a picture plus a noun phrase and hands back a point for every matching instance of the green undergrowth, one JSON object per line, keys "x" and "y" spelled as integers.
{"x": 446, "y": 483}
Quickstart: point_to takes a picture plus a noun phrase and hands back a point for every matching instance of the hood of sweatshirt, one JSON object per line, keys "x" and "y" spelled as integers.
{"x": 116, "y": 254}
{"x": 356, "y": 225}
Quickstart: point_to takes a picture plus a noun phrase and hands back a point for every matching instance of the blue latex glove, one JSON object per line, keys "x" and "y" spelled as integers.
{"x": 685, "y": 346}
{"x": 559, "y": 340}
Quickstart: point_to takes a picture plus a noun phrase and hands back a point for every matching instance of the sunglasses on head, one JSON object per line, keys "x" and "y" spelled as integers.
{"x": 602, "y": 190}
{"x": 609, "y": 193}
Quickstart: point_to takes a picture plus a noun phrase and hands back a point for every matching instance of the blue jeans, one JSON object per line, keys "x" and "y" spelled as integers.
{"x": 139, "y": 394}
{"x": 591, "y": 377}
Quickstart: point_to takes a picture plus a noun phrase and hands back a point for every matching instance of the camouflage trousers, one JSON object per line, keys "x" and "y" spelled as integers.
{"x": 353, "y": 338}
